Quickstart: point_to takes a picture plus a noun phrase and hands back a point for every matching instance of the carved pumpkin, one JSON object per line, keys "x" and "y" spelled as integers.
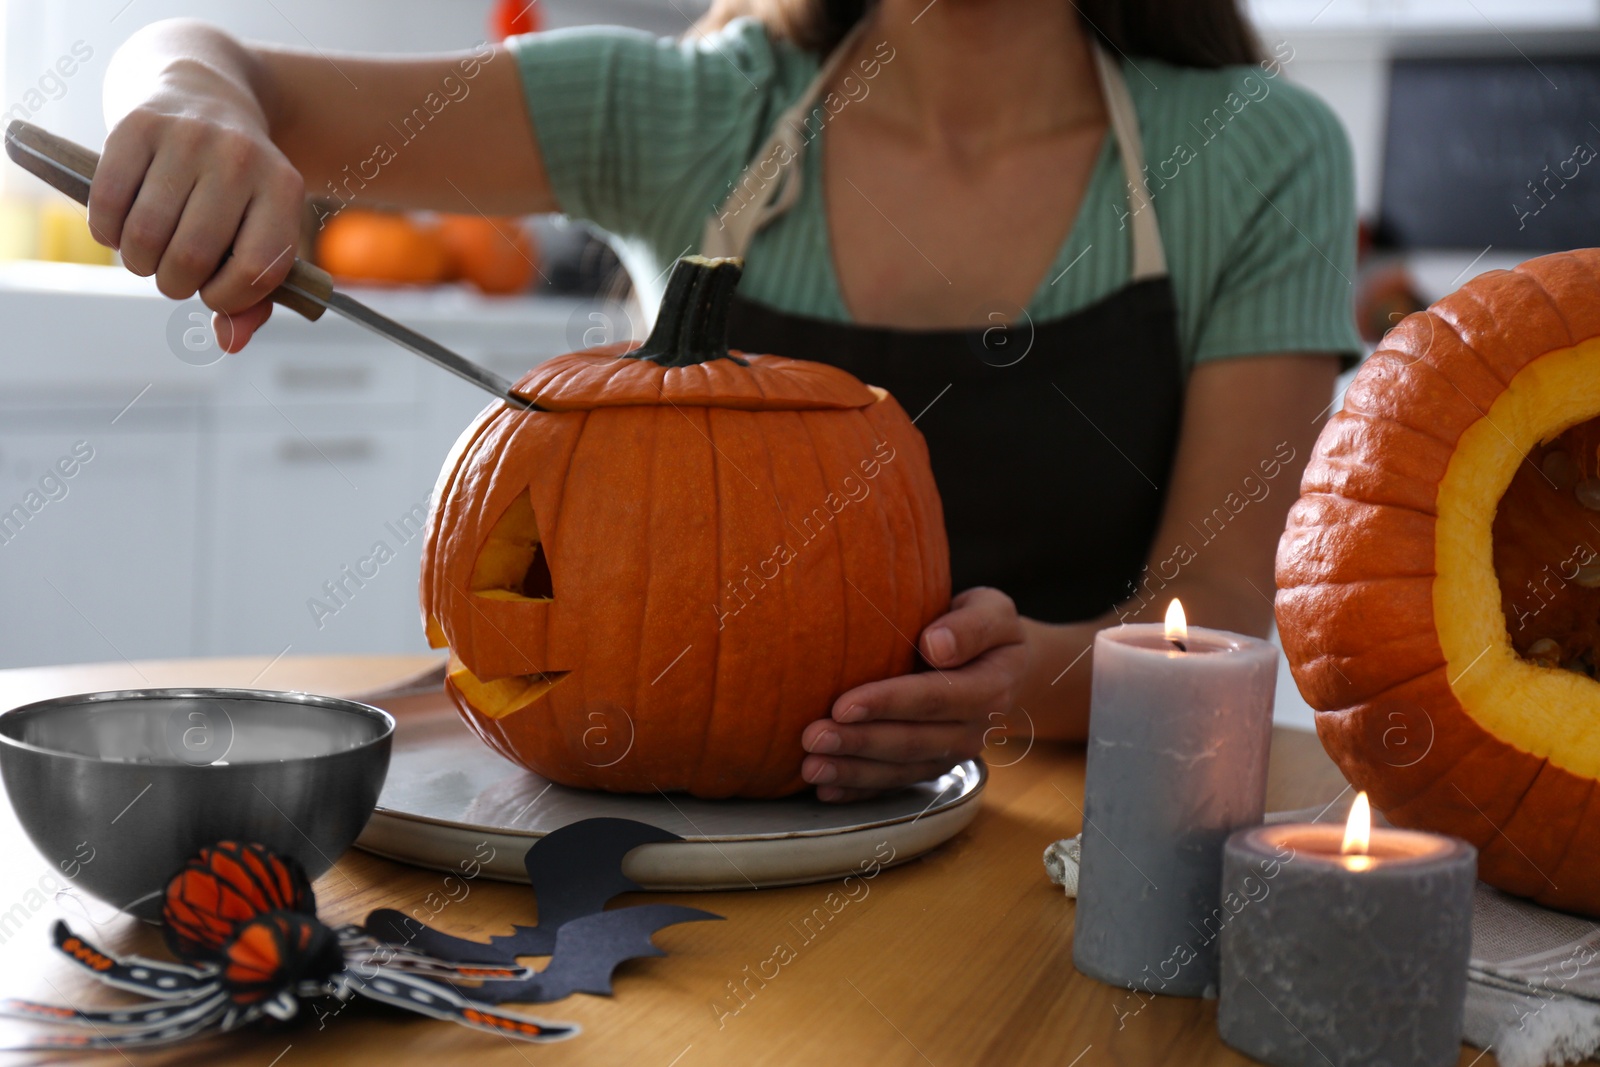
{"x": 657, "y": 580}
{"x": 1439, "y": 578}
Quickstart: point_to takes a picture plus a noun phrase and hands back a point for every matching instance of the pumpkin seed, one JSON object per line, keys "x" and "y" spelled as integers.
{"x": 1588, "y": 493}
{"x": 1545, "y": 652}
{"x": 1560, "y": 468}
{"x": 1588, "y": 576}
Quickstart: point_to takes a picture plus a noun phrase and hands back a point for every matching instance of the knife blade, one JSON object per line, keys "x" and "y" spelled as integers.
{"x": 308, "y": 290}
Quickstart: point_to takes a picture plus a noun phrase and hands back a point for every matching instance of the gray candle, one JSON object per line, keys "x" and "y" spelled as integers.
{"x": 1179, "y": 732}
{"x": 1332, "y": 959}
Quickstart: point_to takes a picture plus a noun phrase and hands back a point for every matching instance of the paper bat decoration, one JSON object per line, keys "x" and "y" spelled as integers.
{"x": 575, "y": 871}
{"x": 243, "y": 922}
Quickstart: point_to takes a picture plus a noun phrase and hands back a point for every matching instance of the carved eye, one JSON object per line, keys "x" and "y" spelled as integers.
{"x": 512, "y": 565}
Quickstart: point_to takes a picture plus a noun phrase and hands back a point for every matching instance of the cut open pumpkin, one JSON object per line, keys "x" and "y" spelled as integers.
{"x": 1439, "y": 577}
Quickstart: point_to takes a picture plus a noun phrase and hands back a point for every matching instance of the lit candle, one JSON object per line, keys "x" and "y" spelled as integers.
{"x": 1180, "y": 725}
{"x": 1345, "y": 947}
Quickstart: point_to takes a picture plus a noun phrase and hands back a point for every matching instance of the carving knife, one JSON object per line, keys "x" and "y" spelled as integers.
{"x": 307, "y": 290}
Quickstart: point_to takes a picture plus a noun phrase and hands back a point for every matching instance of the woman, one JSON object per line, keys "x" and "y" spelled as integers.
{"x": 1098, "y": 249}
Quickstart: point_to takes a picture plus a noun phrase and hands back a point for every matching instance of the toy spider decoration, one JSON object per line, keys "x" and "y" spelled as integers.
{"x": 243, "y": 921}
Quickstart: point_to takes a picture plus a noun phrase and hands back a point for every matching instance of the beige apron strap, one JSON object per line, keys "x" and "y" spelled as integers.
{"x": 1149, "y": 259}
{"x": 764, "y": 190}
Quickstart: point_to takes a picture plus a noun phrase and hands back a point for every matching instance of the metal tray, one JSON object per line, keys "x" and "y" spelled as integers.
{"x": 449, "y": 799}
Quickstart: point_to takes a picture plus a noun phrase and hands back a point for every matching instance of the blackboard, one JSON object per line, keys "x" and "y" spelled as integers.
{"x": 1502, "y": 152}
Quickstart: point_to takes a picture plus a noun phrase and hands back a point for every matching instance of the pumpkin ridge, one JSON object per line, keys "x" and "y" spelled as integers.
{"x": 892, "y": 542}
{"x": 639, "y": 683}
{"x": 457, "y": 512}
{"x": 874, "y": 583}
{"x": 883, "y": 418}
{"x": 1511, "y": 817}
{"x": 1407, "y": 365}
{"x": 775, "y": 727}
{"x": 1382, "y": 693}
{"x": 1494, "y": 371}
{"x": 1357, "y": 583}
{"x": 844, "y": 577}
{"x": 1539, "y": 290}
{"x": 1511, "y": 813}
{"x": 443, "y": 492}
{"x": 708, "y": 720}
{"x": 1424, "y": 783}
{"x": 537, "y": 398}
{"x": 1586, "y": 265}
{"x": 1346, "y": 583}
{"x": 1435, "y": 317}
{"x": 1554, "y": 306}
{"x": 1586, "y": 818}
{"x": 1451, "y": 811}
{"x": 1524, "y": 350}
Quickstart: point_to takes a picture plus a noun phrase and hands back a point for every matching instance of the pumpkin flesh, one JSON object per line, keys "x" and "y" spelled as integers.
{"x": 1546, "y": 711}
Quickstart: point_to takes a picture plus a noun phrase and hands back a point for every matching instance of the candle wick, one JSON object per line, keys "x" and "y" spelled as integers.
{"x": 1179, "y": 645}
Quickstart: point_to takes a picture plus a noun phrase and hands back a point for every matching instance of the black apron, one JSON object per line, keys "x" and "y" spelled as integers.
{"x": 1051, "y": 443}
{"x": 1053, "y": 468}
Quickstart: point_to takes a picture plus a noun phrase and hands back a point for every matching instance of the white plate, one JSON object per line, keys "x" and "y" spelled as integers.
{"x": 449, "y": 799}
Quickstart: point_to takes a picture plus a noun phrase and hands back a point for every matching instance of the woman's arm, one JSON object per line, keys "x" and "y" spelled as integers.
{"x": 215, "y": 143}
{"x": 1248, "y": 428}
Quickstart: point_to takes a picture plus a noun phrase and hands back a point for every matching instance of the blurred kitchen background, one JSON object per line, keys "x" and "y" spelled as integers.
{"x": 270, "y": 503}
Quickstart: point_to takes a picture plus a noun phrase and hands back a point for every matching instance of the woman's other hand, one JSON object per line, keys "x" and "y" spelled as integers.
{"x": 897, "y": 731}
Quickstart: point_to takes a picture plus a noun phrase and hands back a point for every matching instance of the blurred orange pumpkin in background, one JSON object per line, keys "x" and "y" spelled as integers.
{"x": 382, "y": 247}
{"x": 494, "y": 254}
{"x": 512, "y": 17}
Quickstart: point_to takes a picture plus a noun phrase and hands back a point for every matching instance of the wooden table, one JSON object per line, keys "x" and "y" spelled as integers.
{"x": 961, "y": 957}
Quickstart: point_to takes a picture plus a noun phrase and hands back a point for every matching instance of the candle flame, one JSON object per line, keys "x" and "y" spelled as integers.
{"x": 1177, "y": 625}
{"x": 1358, "y": 827}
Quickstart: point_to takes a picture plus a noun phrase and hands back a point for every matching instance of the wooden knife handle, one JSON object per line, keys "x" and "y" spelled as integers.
{"x": 26, "y": 143}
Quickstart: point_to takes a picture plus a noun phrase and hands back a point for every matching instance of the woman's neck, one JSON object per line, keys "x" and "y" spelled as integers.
{"x": 976, "y": 75}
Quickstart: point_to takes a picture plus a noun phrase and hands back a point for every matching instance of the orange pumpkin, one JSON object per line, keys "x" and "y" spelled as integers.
{"x": 1439, "y": 578}
{"x": 382, "y": 247}
{"x": 496, "y": 255}
{"x": 656, "y": 581}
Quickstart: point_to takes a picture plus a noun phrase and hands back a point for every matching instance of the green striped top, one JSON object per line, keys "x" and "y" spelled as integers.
{"x": 1250, "y": 178}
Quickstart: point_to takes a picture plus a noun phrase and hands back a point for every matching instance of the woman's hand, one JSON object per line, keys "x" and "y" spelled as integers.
{"x": 191, "y": 188}
{"x": 902, "y": 730}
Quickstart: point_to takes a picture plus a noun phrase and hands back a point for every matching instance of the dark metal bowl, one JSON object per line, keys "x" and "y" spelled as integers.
{"x": 118, "y": 789}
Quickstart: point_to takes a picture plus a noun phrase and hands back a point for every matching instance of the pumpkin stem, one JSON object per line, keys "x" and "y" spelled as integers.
{"x": 692, "y": 325}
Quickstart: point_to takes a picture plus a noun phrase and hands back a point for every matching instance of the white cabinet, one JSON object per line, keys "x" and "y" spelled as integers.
{"x": 314, "y": 531}
{"x": 104, "y": 568}
{"x": 238, "y": 508}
